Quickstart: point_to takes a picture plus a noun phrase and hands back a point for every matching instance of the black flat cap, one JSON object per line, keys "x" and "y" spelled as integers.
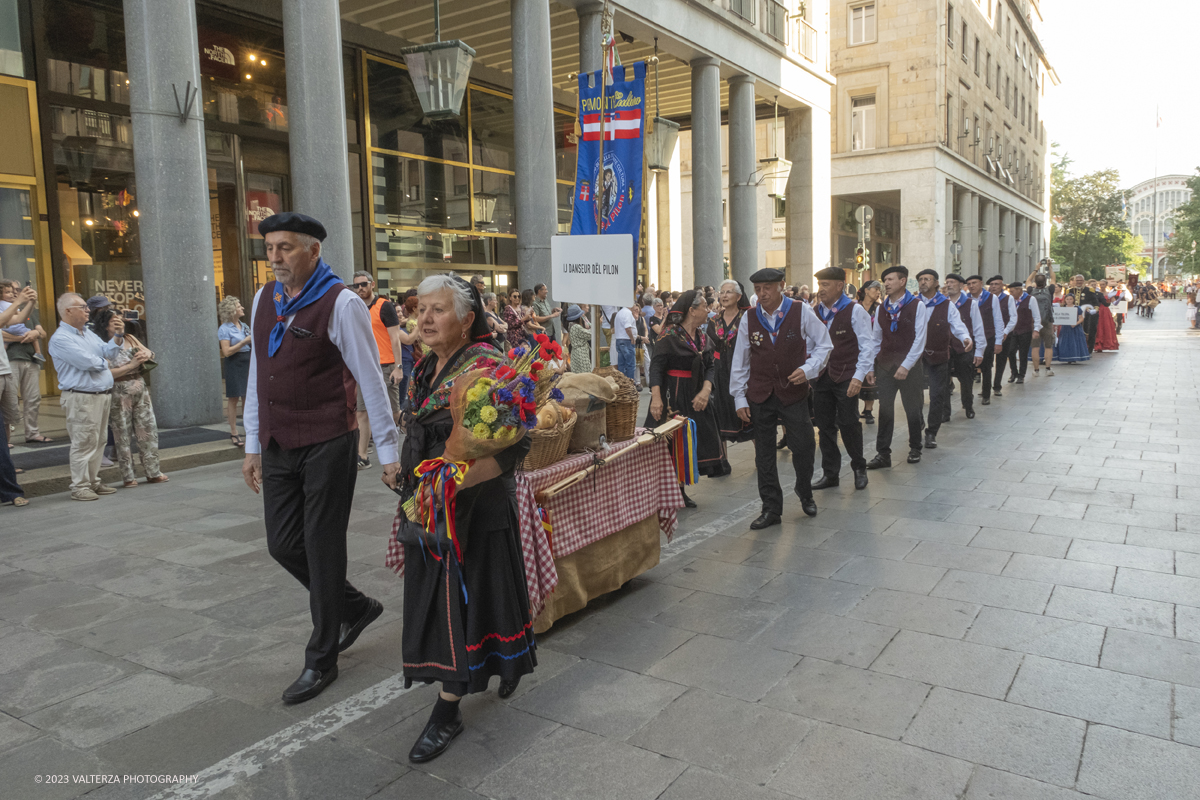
{"x": 831, "y": 274}
{"x": 903, "y": 270}
{"x": 975, "y": 278}
{"x": 956, "y": 276}
{"x": 768, "y": 275}
{"x": 296, "y": 223}
{"x": 996, "y": 278}
{"x": 932, "y": 272}
{"x": 1016, "y": 285}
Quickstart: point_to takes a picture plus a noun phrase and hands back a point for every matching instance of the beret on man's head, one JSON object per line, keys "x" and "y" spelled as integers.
{"x": 903, "y": 270}
{"x": 932, "y": 272}
{"x": 956, "y": 276}
{"x": 768, "y": 275}
{"x": 995, "y": 278}
{"x": 831, "y": 274}
{"x": 975, "y": 278}
{"x": 296, "y": 223}
{"x": 1016, "y": 285}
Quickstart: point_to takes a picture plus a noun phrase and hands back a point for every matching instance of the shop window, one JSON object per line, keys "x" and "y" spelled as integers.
{"x": 566, "y": 148}
{"x": 492, "y": 142}
{"x": 492, "y": 205}
{"x": 843, "y": 216}
{"x": 12, "y": 55}
{"x": 418, "y": 193}
{"x": 397, "y": 122}
{"x": 426, "y": 250}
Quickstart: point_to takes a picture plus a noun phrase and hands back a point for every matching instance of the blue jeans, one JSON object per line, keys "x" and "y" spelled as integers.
{"x": 626, "y": 361}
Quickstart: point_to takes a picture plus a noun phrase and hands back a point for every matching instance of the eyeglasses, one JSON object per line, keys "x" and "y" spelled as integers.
{"x": 362, "y": 285}
{"x": 77, "y": 308}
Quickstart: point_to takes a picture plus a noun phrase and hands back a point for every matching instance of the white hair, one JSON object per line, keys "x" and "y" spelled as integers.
{"x": 730, "y": 282}
{"x": 65, "y": 299}
{"x": 459, "y": 291}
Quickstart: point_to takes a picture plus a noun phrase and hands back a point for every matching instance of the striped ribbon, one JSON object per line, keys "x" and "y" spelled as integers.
{"x": 687, "y": 467}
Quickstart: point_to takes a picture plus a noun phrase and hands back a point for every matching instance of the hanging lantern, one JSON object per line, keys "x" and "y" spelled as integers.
{"x": 660, "y": 144}
{"x": 439, "y": 73}
{"x": 485, "y": 208}
{"x": 776, "y": 171}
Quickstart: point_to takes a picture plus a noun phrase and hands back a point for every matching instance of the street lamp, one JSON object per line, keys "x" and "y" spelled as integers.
{"x": 439, "y": 71}
{"x": 662, "y": 133}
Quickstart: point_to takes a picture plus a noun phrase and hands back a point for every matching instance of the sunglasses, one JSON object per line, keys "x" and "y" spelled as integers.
{"x": 361, "y": 285}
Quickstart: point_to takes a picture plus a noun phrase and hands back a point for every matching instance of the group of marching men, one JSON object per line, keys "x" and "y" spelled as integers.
{"x": 835, "y": 347}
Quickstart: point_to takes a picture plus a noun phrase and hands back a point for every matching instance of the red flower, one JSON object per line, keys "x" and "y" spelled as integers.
{"x": 556, "y": 348}
{"x": 512, "y": 353}
{"x": 536, "y": 366}
{"x": 505, "y": 373}
{"x": 541, "y": 338}
{"x": 546, "y": 353}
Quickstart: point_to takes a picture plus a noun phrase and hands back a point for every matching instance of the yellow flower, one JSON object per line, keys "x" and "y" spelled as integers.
{"x": 474, "y": 393}
{"x": 482, "y": 431}
{"x": 488, "y": 414}
{"x": 505, "y": 433}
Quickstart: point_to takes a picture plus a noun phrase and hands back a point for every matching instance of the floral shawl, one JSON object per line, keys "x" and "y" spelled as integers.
{"x": 472, "y": 356}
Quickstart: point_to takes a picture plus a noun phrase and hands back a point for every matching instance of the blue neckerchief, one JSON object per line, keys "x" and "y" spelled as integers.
{"x": 895, "y": 315}
{"x": 770, "y": 324}
{"x": 935, "y": 301}
{"x": 841, "y": 303}
{"x": 962, "y": 300}
{"x": 321, "y": 281}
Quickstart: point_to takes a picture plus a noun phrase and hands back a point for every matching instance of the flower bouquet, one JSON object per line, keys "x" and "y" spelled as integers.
{"x": 492, "y": 406}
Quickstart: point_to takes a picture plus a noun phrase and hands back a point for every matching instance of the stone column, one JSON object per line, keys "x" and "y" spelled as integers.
{"x": 1021, "y": 261}
{"x": 1004, "y": 259}
{"x": 966, "y": 230}
{"x": 991, "y": 241}
{"x": 591, "y": 51}
{"x": 708, "y": 246}
{"x": 948, "y": 239}
{"x": 743, "y": 191}
{"x": 809, "y": 204}
{"x": 536, "y": 202}
{"x": 176, "y": 237}
{"x": 312, "y": 39}
{"x": 972, "y": 263}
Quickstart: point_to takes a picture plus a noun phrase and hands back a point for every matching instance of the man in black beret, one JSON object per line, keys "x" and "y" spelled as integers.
{"x": 993, "y": 329}
{"x": 964, "y": 360}
{"x": 902, "y": 321}
{"x": 781, "y": 347}
{"x": 1008, "y": 315}
{"x": 850, "y": 365}
{"x": 1026, "y": 329}
{"x": 313, "y": 347}
{"x": 945, "y": 329}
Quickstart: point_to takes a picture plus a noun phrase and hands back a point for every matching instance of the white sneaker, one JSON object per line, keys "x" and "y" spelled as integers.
{"x": 105, "y": 461}
{"x": 84, "y": 494}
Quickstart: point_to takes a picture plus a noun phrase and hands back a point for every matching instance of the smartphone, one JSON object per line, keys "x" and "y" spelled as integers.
{"x": 131, "y": 314}
{"x": 28, "y": 284}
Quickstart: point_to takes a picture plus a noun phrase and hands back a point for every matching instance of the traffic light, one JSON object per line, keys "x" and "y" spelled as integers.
{"x": 861, "y": 260}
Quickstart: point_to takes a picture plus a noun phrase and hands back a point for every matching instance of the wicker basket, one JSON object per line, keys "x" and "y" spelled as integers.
{"x": 548, "y": 446}
{"x": 622, "y": 412}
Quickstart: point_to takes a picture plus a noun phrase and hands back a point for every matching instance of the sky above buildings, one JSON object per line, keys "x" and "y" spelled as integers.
{"x": 1117, "y": 63}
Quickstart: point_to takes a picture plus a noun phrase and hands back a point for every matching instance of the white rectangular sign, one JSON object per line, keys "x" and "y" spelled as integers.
{"x": 1067, "y": 315}
{"x": 592, "y": 269}
{"x": 1120, "y": 308}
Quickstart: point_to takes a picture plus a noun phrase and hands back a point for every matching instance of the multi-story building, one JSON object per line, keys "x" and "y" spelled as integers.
{"x": 938, "y": 128}
{"x": 1150, "y": 210}
{"x": 144, "y": 140}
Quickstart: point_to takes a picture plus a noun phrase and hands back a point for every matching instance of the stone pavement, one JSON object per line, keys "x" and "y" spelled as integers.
{"x": 1016, "y": 617}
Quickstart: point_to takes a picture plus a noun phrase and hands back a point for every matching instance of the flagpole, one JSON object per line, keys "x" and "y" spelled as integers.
{"x": 598, "y": 190}
{"x": 1154, "y": 213}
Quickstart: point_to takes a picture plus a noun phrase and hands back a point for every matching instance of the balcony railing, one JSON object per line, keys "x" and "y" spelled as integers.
{"x": 775, "y": 20}
{"x": 804, "y": 39}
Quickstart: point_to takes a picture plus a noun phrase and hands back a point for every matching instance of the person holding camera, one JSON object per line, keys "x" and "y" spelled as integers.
{"x": 132, "y": 413}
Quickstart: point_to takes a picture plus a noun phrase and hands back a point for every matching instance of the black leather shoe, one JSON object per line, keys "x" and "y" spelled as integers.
{"x": 1012, "y": 378}
{"x": 914, "y": 456}
{"x": 310, "y": 684}
{"x": 507, "y": 688}
{"x": 765, "y": 520}
{"x": 860, "y": 479}
{"x": 880, "y": 462}
{"x": 350, "y": 631}
{"x": 826, "y": 482}
{"x": 809, "y": 505}
{"x": 930, "y": 441}
{"x": 1020, "y": 380}
{"x": 869, "y": 417}
{"x": 987, "y": 401}
{"x": 782, "y": 443}
{"x": 970, "y": 412}
{"x": 434, "y": 740}
{"x": 996, "y": 392}
{"x": 687, "y": 501}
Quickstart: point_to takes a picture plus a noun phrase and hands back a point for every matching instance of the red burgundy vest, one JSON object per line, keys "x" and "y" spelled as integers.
{"x": 937, "y": 335}
{"x": 1004, "y": 298}
{"x": 1024, "y": 315}
{"x": 844, "y": 358}
{"x": 306, "y": 394}
{"x": 964, "y": 313}
{"x": 894, "y": 347}
{"x": 772, "y": 363}
{"x": 985, "y": 311}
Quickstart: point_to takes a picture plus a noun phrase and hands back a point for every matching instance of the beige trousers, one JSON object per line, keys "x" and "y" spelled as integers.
{"x": 9, "y": 393}
{"x": 28, "y": 373}
{"x": 87, "y": 425}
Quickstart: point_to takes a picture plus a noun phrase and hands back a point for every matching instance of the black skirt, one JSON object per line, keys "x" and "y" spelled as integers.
{"x": 678, "y": 392}
{"x": 237, "y": 373}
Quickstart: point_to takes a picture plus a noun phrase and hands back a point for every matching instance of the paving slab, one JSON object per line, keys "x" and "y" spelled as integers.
{"x": 938, "y": 661}
{"x": 935, "y": 615}
{"x": 958, "y": 557}
{"x": 745, "y": 671}
{"x": 1112, "y": 610}
{"x": 993, "y": 590}
{"x": 1121, "y": 765}
{"x": 839, "y": 639}
{"x": 720, "y": 615}
{"x": 1058, "y": 571}
{"x": 1035, "y": 634}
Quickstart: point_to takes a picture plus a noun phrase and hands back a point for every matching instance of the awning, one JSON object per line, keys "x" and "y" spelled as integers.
{"x": 71, "y": 249}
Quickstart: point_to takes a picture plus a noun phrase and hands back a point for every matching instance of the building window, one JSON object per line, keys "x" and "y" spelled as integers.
{"x": 1007, "y": 93}
{"x": 949, "y": 131}
{"x": 997, "y": 80}
{"x": 964, "y": 41}
{"x": 743, "y": 8}
{"x": 780, "y": 207}
{"x": 775, "y": 21}
{"x": 12, "y": 56}
{"x": 862, "y": 24}
{"x": 950, "y": 25}
{"x": 987, "y": 72}
{"x": 976, "y": 55}
{"x": 862, "y": 123}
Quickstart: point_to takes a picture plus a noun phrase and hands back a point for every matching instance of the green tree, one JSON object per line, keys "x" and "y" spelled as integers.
{"x": 1090, "y": 230}
{"x": 1187, "y": 228}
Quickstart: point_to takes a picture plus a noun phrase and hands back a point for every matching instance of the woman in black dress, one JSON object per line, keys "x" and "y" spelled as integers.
{"x": 723, "y": 330}
{"x": 869, "y": 297}
{"x": 463, "y": 621}
{"x": 682, "y": 374}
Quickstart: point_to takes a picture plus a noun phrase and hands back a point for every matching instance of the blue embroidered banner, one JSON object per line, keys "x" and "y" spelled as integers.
{"x": 620, "y": 188}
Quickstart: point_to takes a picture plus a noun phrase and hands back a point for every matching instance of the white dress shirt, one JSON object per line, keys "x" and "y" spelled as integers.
{"x": 868, "y": 340}
{"x": 350, "y": 332}
{"x": 921, "y": 323}
{"x": 1011, "y": 304}
{"x": 80, "y": 358}
{"x": 978, "y": 335}
{"x": 816, "y": 339}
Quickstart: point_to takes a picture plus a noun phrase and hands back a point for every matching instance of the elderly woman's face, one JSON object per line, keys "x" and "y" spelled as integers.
{"x": 440, "y": 328}
{"x": 728, "y": 297}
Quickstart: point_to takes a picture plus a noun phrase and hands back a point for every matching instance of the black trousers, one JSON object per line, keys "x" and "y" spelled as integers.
{"x": 985, "y": 368}
{"x": 835, "y": 412}
{"x": 1091, "y": 323}
{"x": 962, "y": 366}
{"x": 798, "y": 431}
{"x": 1018, "y": 354}
{"x": 912, "y": 395}
{"x": 307, "y": 493}
{"x": 1002, "y": 359}
{"x": 938, "y": 378}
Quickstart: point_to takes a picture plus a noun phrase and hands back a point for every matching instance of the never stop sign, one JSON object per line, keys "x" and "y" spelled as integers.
{"x": 596, "y": 270}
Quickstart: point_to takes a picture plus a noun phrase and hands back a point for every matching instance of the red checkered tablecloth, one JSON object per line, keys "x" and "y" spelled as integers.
{"x": 611, "y": 499}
